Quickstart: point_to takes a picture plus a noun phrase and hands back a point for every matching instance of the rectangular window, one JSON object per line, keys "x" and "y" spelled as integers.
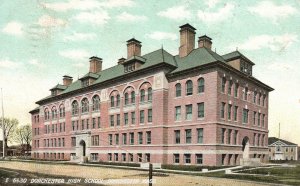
{"x": 87, "y": 124}
{"x": 147, "y": 156}
{"x": 236, "y": 90}
{"x": 230, "y": 87}
{"x": 177, "y": 136}
{"x": 110, "y": 140}
{"x": 149, "y": 115}
{"x": 109, "y": 157}
{"x": 223, "y": 136}
{"x": 112, "y": 122}
{"x": 187, "y": 158}
{"x": 254, "y": 138}
{"x": 95, "y": 140}
{"x": 254, "y": 97}
{"x": 263, "y": 121}
{"x": 245, "y": 115}
{"x": 188, "y": 136}
{"x": 148, "y": 137}
{"x": 124, "y": 137}
{"x": 177, "y": 113}
{"x": 123, "y": 156}
{"x": 245, "y": 97}
{"x": 223, "y": 110}
{"x": 254, "y": 117}
{"x": 63, "y": 142}
{"x": 264, "y": 100}
{"x": 132, "y": 117}
{"x": 140, "y": 157}
{"x": 199, "y": 158}
{"x": 73, "y": 125}
{"x": 73, "y": 141}
{"x": 116, "y": 157}
{"x": 140, "y": 137}
{"x": 235, "y": 137}
{"x": 229, "y": 136}
{"x": 229, "y": 112}
{"x": 259, "y": 98}
{"x": 188, "y": 112}
{"x": 94, "y": 123}
{"x": 258, "y": 119}
{"x": 142, "y": 116}
{"x": 125, "y": 118}
{"x": 82, "y": 124}
{"x": 130, "y": 157}
{"x": 223, "y": 85}
{"x": 236, "y": 108}
{"x": 176, "y": 158}
{"x": 118, "y": 119}
{"x": 131, "y": 138}
{"x": 99, "y": 121}
{"x": 200, "y": 135}
{"x": 200, "y": 110}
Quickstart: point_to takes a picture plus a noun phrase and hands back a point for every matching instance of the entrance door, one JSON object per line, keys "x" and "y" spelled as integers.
{"x": 82, "y": 143}
{"x": 246, "y": 148}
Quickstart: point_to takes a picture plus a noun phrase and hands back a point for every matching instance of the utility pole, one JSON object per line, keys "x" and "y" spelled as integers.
{"x": 150, "y": 173}
{"x": 3, "y": 127}
{"x": 279, "y": 131}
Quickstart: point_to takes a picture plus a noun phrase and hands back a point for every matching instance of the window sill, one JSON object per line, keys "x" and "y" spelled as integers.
{"x": 201, "y": 119}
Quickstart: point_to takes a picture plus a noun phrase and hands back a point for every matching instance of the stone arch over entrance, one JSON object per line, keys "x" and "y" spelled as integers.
{"x": 246, "y": 147}
{"x": 83, "y": 147}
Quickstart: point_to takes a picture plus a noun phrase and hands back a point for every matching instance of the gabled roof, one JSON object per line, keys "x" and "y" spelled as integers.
{"x": 135, "y": 58}
{"x": 90, "y": 75}
{"x": 273, "y": 140}
{"x": 234, "y": 55}
{"x": 59, "y": 86}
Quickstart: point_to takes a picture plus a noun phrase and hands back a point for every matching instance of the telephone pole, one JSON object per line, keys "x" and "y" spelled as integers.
{"x": 3, "y": 127}
{"x": 279, "y": 131}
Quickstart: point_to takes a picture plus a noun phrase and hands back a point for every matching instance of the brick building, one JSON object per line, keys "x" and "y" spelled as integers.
{"x": 197, "y": 107}
{"x": 280, "y": 149}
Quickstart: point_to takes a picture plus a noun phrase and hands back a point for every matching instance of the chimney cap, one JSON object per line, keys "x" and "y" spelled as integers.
{"x": 68, "y": 77}
{"x": 133, "y": 40}
{"x": 95, "y": 57}
{"x": 122, "y": 58}
{"x": 187, "y": 25}
{"x": 205, "y": 37}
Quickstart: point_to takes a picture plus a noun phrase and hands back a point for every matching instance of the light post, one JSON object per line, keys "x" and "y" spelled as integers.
{"x": 3, "y": 128}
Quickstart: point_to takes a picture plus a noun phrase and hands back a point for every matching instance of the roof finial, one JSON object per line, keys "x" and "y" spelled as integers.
{"x": 162, "y": 46}
{"x": 215, "y": 50}
{"x": 237, "y": 48}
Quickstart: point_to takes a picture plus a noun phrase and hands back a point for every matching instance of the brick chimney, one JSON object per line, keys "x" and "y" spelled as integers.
{"x": 133, "y": 48}
{"x": 187, "y": 39}
{"x": 121, "y": 60}
{"x": 95, "y": 64}
{"x": 204, "y": 42}
{"x": 67, "y": 80}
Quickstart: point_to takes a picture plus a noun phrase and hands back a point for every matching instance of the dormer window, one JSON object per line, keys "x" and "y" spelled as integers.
{"x": 129, "y": 67}
{"x": 53, "y": 92}
{"x": 85, "y": 83}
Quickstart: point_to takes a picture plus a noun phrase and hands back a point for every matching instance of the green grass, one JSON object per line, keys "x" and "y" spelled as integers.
{"x": 191, "y": 167}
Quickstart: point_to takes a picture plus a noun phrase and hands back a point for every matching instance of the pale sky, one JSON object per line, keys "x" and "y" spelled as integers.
{"x": 42, "y": 40}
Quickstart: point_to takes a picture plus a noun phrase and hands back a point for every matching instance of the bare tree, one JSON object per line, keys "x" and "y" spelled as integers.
{"x": 23, "y": 136}
{"x": 10, "y": 125}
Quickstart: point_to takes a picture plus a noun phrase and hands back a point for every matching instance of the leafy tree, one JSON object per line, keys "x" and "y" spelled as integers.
{"x": 10, "y": 125}
{"x": 23, "y": 136}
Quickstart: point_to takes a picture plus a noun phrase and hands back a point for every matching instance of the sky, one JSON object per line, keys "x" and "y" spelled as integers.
{"x": 42, "y": 40}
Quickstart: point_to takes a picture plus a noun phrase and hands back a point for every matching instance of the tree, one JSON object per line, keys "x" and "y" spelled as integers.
{"x": 23, "y": 136}
{"x": 10, "y": 125}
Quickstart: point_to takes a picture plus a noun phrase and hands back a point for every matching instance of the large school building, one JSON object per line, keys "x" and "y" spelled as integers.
{"x": 197, "y": 107}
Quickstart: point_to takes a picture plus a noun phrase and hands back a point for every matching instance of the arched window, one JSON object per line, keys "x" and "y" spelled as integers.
{"x": 132, "y": 97}
{"x": 46, "y": 114}
{"x": 62, "y": 111}
{"x": 96, "y": 103}
{"x": 54, "y": 113}
{"x": 223, "y": 84}
{"x": 189, "y": 87}
{"x": 200, "y": 85}
{"x": 118, "y": 100}
{"x": 126, "y": 98}
{"x": 74, "y": 108}
{"x": 112, "y": 101}
{"x": 142, "y": 95}
{"x": 149, "y": 94}
{"x": 178, "y": 89}
{"x": 84, "y": 105}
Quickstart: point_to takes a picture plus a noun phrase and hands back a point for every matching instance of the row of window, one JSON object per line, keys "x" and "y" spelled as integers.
{"x": 233, "y": 89}
{"x": 85, "y": 124}
{"x": 129, "y": 98}
{"x": 132, "y": 116}
{"x": 114, "y": 139}
{"x": 187, "y": 158}
{"x": 189, "y": 87}
{"x": 231, "y": 137}
{"x": 55, "y": 156}
{"x": 188, "y": 134}
{"x": 85, "y": 106}
{"x": 55, "y": 128}
{"x": 54, "y": 112}
{"x": 189, "y": 112}
{"x": 36, "y": 119}
{"x": 259, "y": 140}
{"x": 140, "y": 157}
{"x": 59, "y": 142}
{"x": 36, "y": 131}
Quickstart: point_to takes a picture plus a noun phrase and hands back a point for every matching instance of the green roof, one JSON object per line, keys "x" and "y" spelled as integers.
{"x": 234, "y": 55}
{"x": 59, "y": 86}
{"x": 90, "y": 75}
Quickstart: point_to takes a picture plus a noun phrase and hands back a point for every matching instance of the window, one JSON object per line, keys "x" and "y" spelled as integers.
{"x": 124, "y": 138}
{"x": 178, "y": 89}
{"x": 254, "y": 117}
{"x": 254, "y": 138}
{"x": 87, "y": 124}
{"x": 236, "y": 89}
{"x": 199, "y": 158}
{"x": 147, "y": 157}
{"x": 223, "y": 110}
{"x": 62, "y": 111}
{"x": 223, "y": 84}
{"x": 263, "y": 121}
{"x": 117, "y": 139}
{"x": 149, "y": 115}
{"x": 229, "y": 136}
{"x": 188, "y": 112}
{"x": 110, "y": 139}
{"x": 46, "y": 113}
{"x": 140, "y": 137}
{"x": 140, "y": 157}
{"x": 99, "y": 121}
{"x": 235, "y": 137}
{"x": 109, "y": 157}
{"x": 54, "y": 113}
{"x": 82, "y": 124}
{"x": 84, "y": 105}
{"x": 130, "y": 157}
{"x": 200, "y": 110}
{"x": 188, "y": 136}
{"x": 131, "y": 138}
{"x": 94, "y": 156}
{"x": 245, "y": 115}
{"x": 112, "y": 122}
{"x": 259, "y": 98}
{"x": 230, "y": 87}
{"x": 112, "y": 101}
{"x": 223, "y": 136}
{"x": 177, "y": 136}
{"x": 63, "y": 142}
{"x": 125, "y": 118}
{"x": 142, "y": 92}
{"x": 123, "y": 157}
{"x": 116, "y": 157}
{"x": 96, "y": 103}
{"x": 95, "y": 140}
{"x": 200, "y": 135}
{"x": 187, "y": 158}
{"x": 148, "y": 137}
{"x": 118, "y": 120}
{"x": 245, "y": 95}
{"x": 73, "y": 141}
{"x": 132, "y": 97}
{"x": 258, "y": 119}
{"x": 189, "y": 87}
{"x": 149, "y": 94}
{"x": 235, "y": 112}
{"x": 176, "y": 158}
{"x": 264, "y": 100}
{"x": 142, "y": 116}
{"x": 94, "y": 123}
{"x": 118, "y": 100}
{"x": 132, "y": 117}
{"x": 177, "y": 113}
{"x": 254, "y": 96}
{"x": 126, "y": 98}
{"x": 200, "y": 85}
{"x": 229, "y": 112}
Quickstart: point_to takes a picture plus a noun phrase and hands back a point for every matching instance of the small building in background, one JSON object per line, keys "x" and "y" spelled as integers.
{"x": 280, "y": 149}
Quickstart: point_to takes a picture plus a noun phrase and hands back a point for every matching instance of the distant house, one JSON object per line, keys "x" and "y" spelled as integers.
{"x": 280, "y": 149}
